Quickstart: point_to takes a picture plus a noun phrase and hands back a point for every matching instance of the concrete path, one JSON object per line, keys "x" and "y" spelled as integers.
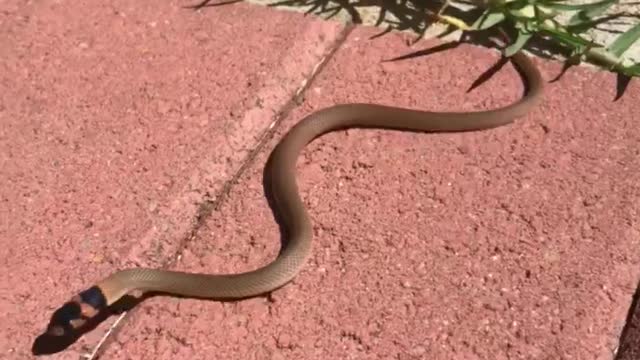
{"x": 134, "y": 133}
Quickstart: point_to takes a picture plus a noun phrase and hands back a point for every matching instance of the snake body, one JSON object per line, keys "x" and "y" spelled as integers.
{"x": 285, "y": 197}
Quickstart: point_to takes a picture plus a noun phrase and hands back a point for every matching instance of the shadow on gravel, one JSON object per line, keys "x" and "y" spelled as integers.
{"x": 46, "y": 344}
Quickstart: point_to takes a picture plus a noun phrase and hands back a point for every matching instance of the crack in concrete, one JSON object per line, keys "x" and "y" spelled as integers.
{"x": 207, "y": 206}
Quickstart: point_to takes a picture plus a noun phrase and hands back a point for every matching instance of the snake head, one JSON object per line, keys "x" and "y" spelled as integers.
{"x": 74, "y": 314}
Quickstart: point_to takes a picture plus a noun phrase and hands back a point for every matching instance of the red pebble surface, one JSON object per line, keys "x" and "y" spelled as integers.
{"x": 128, "y": 133}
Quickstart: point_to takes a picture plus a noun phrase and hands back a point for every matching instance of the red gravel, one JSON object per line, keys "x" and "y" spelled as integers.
{"x": 515, "y": 243}
{"x": 117, "y": 120}
{"x": 509, "y": 244}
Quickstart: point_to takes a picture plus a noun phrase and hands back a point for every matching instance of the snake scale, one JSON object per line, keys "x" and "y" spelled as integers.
{"x": 288, "y": 204}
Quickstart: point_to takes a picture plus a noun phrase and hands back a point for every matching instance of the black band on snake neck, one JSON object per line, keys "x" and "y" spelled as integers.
{"x": 93, "y": 296}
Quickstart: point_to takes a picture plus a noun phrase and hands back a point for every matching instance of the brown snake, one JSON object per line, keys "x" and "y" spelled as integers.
{"x": 288, "y": 204}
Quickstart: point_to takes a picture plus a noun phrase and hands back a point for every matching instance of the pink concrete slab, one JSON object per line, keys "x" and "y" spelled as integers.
{"x": 515, "y": 243}
{"x": 119, "y": 122}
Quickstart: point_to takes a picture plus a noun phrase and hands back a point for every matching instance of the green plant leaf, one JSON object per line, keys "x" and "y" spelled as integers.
{"x": 528, "y": 11}
{"x": 544, "y": 12}
{"x": 603, "y": 57}
{"x": 454, "y": 21}
{"x": 632, "y": 70}
{"x": 521, "y": 40}
{"x": 568, "y": 39}
{"x": 623, "y": 42}
{"x": 596, "y": 6}
{"x": 488, "y": 20}
{"x": 586, "y": 25}
{"x": 588, "y": 14}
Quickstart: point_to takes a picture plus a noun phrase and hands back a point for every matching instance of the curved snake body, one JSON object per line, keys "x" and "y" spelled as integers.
{"x": 289, "y": 205}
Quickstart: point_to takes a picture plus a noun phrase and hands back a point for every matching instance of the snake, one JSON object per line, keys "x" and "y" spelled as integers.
{"x": 296, "y": 225}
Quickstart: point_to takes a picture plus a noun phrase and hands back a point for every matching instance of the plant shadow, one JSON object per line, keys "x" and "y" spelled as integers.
{"x": 413, "y": 16}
